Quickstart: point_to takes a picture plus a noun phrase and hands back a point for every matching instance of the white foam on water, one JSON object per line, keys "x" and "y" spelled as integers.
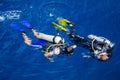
{"x": 2, "y": 18}
{"x": 10, "y": 15}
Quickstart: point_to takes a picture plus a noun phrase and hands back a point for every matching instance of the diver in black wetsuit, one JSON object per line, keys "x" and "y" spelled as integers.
{"x": 99, "y": 46}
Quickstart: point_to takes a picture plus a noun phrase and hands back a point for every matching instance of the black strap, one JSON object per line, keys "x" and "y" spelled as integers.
{"x": 54, "y": 39}
{"x": 56, "y": 36}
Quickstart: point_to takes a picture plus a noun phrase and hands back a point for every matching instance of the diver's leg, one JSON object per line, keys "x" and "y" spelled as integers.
{"x": 26, "y": 39}
{"x": 46, "y": 37}
{"x": 72, "y": 31}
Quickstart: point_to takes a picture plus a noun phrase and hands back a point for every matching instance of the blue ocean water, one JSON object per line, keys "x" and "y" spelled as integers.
{"x": 21, "y": 62}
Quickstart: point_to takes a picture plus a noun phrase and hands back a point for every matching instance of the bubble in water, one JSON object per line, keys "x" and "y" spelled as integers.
{"x": 31, "y": 6}
{"x": 14, "y": 14}
{"x": 2, "y": 18}
{"x": 51, "y": 15}
{"x": 53, "y": 10}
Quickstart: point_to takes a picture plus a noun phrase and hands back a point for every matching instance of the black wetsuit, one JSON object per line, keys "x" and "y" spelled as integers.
{"x": 63, "y": 47}
{"x": 88, "y": 43}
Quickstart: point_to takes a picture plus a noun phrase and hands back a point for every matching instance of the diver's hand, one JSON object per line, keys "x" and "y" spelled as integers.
{"x": 85, "y": 56}
{"x": 51, "y": 59}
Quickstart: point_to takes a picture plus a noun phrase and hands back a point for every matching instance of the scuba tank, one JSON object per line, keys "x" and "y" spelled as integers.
{"x": 91, "y": 36}
{"x": 101, "y": 39}
{"x": 50, "y": 38}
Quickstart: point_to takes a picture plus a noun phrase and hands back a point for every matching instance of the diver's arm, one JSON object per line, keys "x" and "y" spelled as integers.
{"x": 47, "y": 55}
{"x": 86, "y": 56}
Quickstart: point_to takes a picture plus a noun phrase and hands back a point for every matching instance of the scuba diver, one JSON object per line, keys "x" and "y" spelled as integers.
{"x": 50, "y": 44}
{"x": 100, "y": 47}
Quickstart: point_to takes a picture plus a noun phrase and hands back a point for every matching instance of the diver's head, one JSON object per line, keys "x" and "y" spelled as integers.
{"x": 70, "y": 49}
{"x": 103, "y": 56}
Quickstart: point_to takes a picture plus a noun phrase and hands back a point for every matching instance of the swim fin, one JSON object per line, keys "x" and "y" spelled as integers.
{"x": 27, "y": 24}
{"x": 16, "y": 27}
{"x": 59, "y": 27}
{"x": 64, "y": 22}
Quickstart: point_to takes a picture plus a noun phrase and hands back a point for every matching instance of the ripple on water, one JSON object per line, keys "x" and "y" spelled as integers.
{"x": 50, "y": 11}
